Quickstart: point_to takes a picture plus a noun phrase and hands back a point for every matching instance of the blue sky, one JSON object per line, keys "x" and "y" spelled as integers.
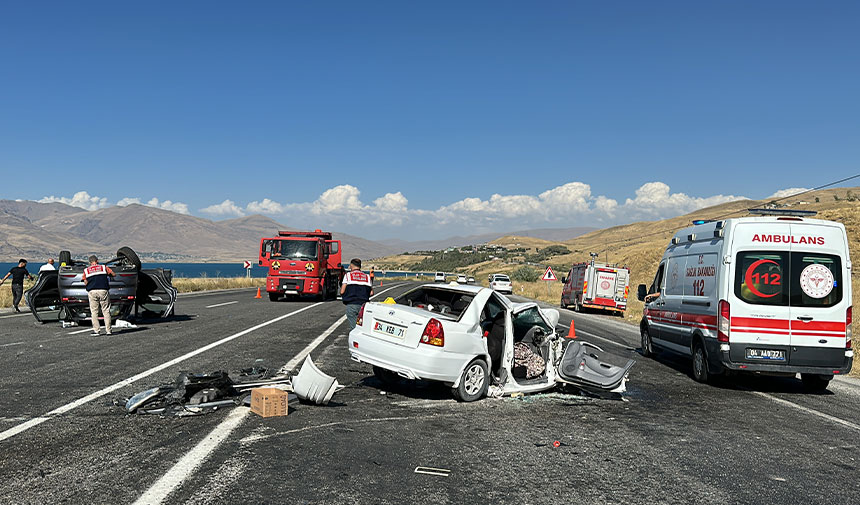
{"x": 400, "y": 119}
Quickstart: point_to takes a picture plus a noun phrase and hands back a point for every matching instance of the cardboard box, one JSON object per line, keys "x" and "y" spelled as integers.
{"x": 269, "y": 402}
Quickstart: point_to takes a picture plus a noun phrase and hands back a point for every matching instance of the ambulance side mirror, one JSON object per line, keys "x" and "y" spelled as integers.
{"x": 564, "y": 279}
{"x": 641, "y": 292}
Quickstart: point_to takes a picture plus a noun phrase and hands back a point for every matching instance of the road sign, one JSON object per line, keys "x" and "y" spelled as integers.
{"x": 549, "y": 275}
{"x": 247, "y": 264}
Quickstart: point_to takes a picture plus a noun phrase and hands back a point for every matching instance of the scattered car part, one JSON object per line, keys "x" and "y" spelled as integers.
{"x": 313, "y": 385}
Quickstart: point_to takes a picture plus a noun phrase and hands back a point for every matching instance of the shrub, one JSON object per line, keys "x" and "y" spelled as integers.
{"x": 525, "y": 274}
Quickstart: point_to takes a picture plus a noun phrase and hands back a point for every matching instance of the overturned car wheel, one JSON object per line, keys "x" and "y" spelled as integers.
{"x": 473, "y": 383}
{"x": 129, "y": 255}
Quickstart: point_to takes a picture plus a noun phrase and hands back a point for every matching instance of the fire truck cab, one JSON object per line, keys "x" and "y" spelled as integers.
{"x": 302, "y": 263}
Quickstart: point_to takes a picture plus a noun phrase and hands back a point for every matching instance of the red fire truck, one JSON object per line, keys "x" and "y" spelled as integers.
{"x": 596, "y": 286}
{"x": 302, "y": 263}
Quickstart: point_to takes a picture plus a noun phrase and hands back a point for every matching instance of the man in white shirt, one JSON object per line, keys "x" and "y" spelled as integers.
{"x": 48, "y": 266}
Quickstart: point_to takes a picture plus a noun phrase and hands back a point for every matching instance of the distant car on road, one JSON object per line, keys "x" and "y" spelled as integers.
{"x": 440, "y": 277}
{"x": 471, "y": 280}
{"x": 462, "y": 279}
{"x": 501, "y": 283}
{"x": 469, "y": 337}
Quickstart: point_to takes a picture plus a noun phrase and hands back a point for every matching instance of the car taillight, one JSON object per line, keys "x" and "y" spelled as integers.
{"x": 848, "y": 320}
{"x": 359, "y": 321}
{"x": 724, "y": 322}
{"x": 433, "y": 333}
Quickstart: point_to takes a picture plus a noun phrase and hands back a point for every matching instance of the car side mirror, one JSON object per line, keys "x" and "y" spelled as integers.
{"x": 564, "y": 280}
{"x": 642, "y": 292}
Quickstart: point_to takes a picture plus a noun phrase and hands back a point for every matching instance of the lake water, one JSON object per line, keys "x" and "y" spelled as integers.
{"x": 203, "y": 269}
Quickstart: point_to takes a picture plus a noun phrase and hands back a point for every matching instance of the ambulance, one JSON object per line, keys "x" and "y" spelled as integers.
{"x": 769, "y": 293}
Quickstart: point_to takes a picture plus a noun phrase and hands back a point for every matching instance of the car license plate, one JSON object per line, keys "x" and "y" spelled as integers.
{"x": 389, "y": 329}
{"x": 766, "y": 354}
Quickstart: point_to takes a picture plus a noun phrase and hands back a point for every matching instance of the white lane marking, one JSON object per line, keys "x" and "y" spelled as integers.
{"x": 79, "y": 331}
{"x": 11, "y": 432}
{"x": 591, "y": 335}
{"x": 12, "y": 343}
{"x": 808, "y": 410}
{"x": 15, "y": 315}
{"x": 192, "y": 460}
{"x": 221, "y": 304}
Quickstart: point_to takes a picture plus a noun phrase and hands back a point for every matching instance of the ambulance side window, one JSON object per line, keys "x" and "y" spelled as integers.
{"x": 761, "y": 277}
{"x": 675, "y": 268}
{"x": 658, "y": 280}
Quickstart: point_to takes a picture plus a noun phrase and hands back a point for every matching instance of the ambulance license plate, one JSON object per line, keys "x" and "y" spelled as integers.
{"x": 766, "y": 354}
{"x": 391, "y": 330}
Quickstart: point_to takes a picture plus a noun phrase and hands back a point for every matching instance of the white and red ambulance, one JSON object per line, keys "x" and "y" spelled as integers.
{"x": 768, "y": 294}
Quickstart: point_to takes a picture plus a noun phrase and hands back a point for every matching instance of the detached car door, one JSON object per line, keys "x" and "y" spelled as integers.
{"x": 44, "y": 297}
{"x": 156, "y": 295}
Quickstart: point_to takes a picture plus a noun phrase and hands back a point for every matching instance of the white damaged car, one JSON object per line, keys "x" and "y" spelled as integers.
{"x": 474, "y": 340}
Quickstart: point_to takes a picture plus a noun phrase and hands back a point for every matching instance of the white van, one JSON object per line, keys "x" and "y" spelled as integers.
{"x": 768, "y": 294}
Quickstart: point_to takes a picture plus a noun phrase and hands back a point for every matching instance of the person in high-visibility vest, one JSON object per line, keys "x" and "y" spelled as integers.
{"x": 96, "y": 280}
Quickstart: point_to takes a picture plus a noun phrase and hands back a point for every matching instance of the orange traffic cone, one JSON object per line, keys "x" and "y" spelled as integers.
{"x": 571, "y": 333}
{"x": 380, "y": 282}
{"x": 258, "y": 294}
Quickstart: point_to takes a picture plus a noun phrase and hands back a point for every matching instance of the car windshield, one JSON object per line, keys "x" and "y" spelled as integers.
{"x": 526, "y": 320}
{"x": 443, "y": 301}
{"x": 294, "y": 249}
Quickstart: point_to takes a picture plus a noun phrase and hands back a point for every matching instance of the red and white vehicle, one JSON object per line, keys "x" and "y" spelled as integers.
{"x": 302, "y": 263}
{"x": 596, "y": 286}
{"x": 768, "y": 294}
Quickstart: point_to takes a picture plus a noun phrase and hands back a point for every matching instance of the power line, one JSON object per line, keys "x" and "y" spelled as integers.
{"x": 724, "y": 216}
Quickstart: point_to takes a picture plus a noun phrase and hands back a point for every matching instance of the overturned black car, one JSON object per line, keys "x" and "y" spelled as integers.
{"x": 61, "y": 294}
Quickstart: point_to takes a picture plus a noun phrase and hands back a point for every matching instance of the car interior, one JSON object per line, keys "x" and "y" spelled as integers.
{"x": 442, "y": 301}
{"x": 530, "y": 329}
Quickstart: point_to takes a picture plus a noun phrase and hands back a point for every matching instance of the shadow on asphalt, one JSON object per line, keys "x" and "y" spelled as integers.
{"x": 415, "y": 389}
{"x": 740, "y": 381}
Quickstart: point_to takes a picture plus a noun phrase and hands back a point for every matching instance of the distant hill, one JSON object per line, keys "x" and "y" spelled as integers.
{"x": 40, "y": 230}
{"x": 552, "y": 234}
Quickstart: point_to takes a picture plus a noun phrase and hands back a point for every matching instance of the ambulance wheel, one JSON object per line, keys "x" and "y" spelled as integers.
{"x": 562, "y": 304}
{"x": 129, "y": 255}
{"x": 274, "y": 297}
{"x": 473, "y": 382}
{"x": 815, "y": 382}
{"x": 700, "y": 363}
{"x": 647, "y": 344}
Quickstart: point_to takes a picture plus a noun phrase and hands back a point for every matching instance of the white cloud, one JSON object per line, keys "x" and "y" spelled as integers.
{"x": 392, "y": 202}
{"x": 343, "y": 198}
{"x": 782, "y": 193}
{"x": 265, "y": 206}
{"x": 654, "y": 199}
{"x": 80, "y": 199}
{"x": 178, "y": 207}
{"x": 225, "y": 208}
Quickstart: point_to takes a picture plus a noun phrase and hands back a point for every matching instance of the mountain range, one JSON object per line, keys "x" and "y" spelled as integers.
{"x": 37, "y": 231}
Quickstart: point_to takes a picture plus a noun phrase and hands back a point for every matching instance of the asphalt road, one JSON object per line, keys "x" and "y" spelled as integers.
{"x": 670, "y": 440}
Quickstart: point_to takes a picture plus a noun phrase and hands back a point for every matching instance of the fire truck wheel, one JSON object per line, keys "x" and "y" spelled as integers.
{"x": 274, "y": 297}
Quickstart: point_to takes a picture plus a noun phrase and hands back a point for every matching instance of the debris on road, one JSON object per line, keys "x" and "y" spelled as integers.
{"x": 426, "y": 470}
{"x": 195, "y": 394}
{"x": 269, "y": 402}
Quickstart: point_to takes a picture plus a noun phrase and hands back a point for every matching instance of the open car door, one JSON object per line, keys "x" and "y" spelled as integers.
{"x": 588, "y": 367}
{"x": 156, "y": 295}
{"x": 44, "y": 297}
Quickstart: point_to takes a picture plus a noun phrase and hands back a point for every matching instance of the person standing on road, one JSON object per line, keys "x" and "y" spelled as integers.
{"x": 355, "y": 291}
{"x": 49, "y": 266}
{"x": 18, "y": 273}
{"x": 96, "y": 280}
{"x": 371, "y": 276}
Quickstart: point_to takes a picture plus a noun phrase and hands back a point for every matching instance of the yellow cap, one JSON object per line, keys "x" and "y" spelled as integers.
{"x": 390, "y": 301}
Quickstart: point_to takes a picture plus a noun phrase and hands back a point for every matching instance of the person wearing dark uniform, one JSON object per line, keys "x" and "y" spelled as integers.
{"x": 355, "y": 291}
{"x": 18, "y": 273}
{"x": 96, "y": 280}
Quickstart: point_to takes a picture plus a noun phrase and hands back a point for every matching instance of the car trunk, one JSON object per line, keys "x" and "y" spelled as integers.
{"x": 398, "y": 324}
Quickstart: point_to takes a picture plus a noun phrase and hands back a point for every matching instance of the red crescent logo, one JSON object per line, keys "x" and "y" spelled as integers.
{"x": 748, "y": 278}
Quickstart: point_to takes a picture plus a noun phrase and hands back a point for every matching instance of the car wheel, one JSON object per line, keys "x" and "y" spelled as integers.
{"x": 815, "y": 382}
{"x": 129, "y": 255}
{"x": 700, "y": 363}
{"x": 647, "y": 344}
{"x": 473, "y": 382}
{"x": 65, "y": 258}
{"x": 385, "y": 376}
{"x": 274, "y": 297}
